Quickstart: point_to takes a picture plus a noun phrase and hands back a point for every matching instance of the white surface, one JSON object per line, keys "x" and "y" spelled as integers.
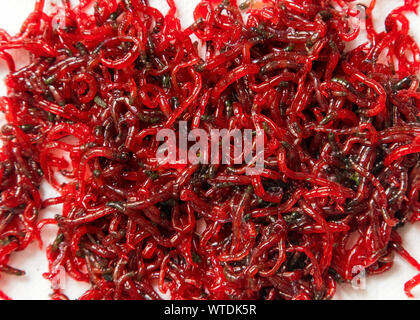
{"x": 33, "y": 286}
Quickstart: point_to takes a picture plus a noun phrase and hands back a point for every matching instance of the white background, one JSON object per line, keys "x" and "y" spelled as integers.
{"x": 33, "y": 286}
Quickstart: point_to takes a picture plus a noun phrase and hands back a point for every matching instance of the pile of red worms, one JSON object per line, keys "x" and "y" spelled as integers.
{"x": 341, "y": 160}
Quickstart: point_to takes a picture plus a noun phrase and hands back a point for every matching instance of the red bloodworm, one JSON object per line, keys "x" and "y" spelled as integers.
{"x": 189, "y": 100}
{"x": 401, "y": 152}
{"x": 280, "y": 260}
{"x": 380, "y": 104}
{"x": 126, "y": 60}
{"x": 410, "y": 285}
{"x": 233, "y": 76}
{"x": 91, "y": 87}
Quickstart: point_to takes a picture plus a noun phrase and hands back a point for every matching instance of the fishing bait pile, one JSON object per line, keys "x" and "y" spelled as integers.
{"x": 341, "y": 159}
